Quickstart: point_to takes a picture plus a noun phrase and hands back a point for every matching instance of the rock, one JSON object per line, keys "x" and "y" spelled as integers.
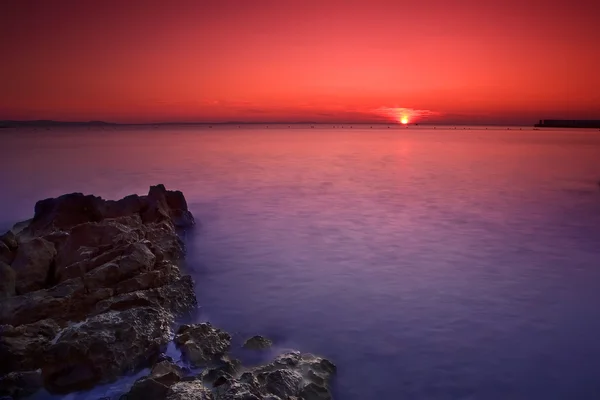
{"x": 130, "y": 205}
{"x": 177, "y": 297}
{"x": 167, "y": 373}
{"x": 23, "y": 347}
{"x": 163, "y": 205}
{"x": 312, "y": 391}
{"x": 20, "y": 384}
{"x": 257, "y": 343}
{"x": 147, "y": 389}
{"x": 228, "y": 369}
{"x": 191, "y": 390}
{"x": 10, "y": 240}
{"x": 6, "y": 255}
{"x": 7, "y": 281}
{"x": 64, "y": 212}
{"x": 33, "y": 265}
{"x": 201, "y": 344}
{"x": 104, "y": 347}
{"x": 283, "y": 382}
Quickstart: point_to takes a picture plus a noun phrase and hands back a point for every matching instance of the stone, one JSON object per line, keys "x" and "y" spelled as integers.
{"x": 228, "y": 368}
{"x": 190, "y": 390}
{"x": 312, "y": 391}
{"x": 6, "y": 255}
{"x": 23, "y": 347}
{"x": 167, "y": 373}
{"x": 104, "y": 347}
{"x": 8, "y": 279}
{"x": 64, "y": 212}
{"x": 202, "y": 344}
{"x": 33, "y": 264}
{"x": 177, "y": 297}
{"x": 257, "y": 343}
{"x": 283, "y": 382}
{"x": 147, "y": 389}
{"x": 20, "y": 384}
{"x": 10, "y": 240}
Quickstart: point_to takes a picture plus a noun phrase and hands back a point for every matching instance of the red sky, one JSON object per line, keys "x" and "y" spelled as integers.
{"x": 299, "y": 60}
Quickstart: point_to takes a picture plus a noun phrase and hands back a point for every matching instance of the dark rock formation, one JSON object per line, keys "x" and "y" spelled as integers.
{"x": 106, "y": 273}
{"x": 104, "y": 347}
{"x": 7, "y": 281}
{"x": 257, "y": 343}
{"x": 202, "y": 344}
{"x": 20, "y": 384}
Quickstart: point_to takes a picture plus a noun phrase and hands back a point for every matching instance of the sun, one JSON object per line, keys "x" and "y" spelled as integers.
{"x": 404, "y": 120}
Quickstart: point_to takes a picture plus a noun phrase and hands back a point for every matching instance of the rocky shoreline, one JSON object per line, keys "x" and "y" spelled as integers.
{"x": 91, "y": 290}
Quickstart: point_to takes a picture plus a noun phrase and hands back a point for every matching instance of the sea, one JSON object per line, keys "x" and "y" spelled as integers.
{"x": 426, "y": 262}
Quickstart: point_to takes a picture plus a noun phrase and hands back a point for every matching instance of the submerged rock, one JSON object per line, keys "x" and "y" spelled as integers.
{"x": 257, "y": 343}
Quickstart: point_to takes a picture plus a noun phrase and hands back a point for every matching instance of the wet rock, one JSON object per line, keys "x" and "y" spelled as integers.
{"x": 20, "y": 384}
{"x": 202, "y": 344}
{"x": 33, "y": 265}
{"x": 23, "y": 347}
{"x": 191, "y": 390}
{"x": 257, "y": 343}
{"x": 104, "y": 347}
{"x": 7, "y": 281}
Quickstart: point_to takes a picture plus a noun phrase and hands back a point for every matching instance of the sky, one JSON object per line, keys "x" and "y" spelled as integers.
{"x": 510, "y": 61}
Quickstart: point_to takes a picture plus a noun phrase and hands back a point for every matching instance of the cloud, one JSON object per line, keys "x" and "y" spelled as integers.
{"x": 399, "y": 113}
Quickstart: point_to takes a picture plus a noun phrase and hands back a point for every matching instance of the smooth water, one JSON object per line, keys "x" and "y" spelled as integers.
{"x": 427, "y": 264}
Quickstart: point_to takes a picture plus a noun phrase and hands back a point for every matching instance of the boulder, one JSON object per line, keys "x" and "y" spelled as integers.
{"x": 147, "y": 389}
{"x": 202, "y": 344}
{"x": 6, "y": 255}
{"x": 104, "y": 347}
{"x": 257, "y": 343}
{"x": 7, "y": 281}
{"x": 227, "y": 368}
{"x": 129, "y": 205}
{"x": 10, "y": 240}
{"x": 191, "y": 390}
{"x": 23, "y": 347}
{"x": 34, "y": 265}
{"x": 20, "y": 384}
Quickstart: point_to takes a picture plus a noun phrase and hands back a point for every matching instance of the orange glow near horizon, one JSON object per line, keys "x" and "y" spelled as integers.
{"x": 404, "y": 120}
{"x": 290, "y": 61}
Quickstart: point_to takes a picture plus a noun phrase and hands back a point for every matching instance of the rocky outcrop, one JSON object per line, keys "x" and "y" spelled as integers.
{"x": 257, "y": 343}
{"x": 89, "y": 288}
{"x": 202, "y": 344}
{"x": 8, "y": 279}
{"x": 290, "y": 376}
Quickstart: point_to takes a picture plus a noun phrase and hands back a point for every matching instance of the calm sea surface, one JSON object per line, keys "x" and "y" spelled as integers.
{"x": 427, "y": 264}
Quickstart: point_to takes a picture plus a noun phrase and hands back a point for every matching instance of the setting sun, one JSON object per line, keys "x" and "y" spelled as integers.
{"x": 404, "y": 120}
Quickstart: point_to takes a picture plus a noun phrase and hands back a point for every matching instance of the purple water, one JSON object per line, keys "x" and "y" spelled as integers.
{"x": 427, "y": 264}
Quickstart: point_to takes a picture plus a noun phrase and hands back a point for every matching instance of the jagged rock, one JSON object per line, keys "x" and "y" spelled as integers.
{"x": 282, "y": 382}
{"x": 6, "y": 255}
{"x": 23, "y": 347}
{"x": 147, "y": 389}
{"x": 177, "y": 297}
{"x": 68, "y": 301}
{"x": 167, "y": 373}
{"x": 64, "y": 212}
{"x": 7, "y": 281}
{"x": 228, "y": 369}
{"x": 191, "y": 390}
{"x": 312, "y": 391}
{"x": 129, "y": 205}
{"x": 104, "y": 347}
{"x": 10, "y": 240}
{"x": 33, "y": 265}
{"x": 202, "y": 344}
{"x": 20, "y": 384}
{"x": 257, "y": 343}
